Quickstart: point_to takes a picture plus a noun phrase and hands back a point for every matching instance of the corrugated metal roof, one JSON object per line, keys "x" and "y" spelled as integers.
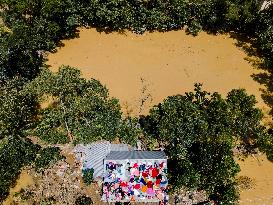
{"x": 94, "y": 154}
{"x": 119, "y": 147}
{"x": 122, "y": 155}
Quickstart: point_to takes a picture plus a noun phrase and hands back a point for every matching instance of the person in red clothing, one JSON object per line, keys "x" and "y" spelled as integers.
{"x": 150, "y": 184}
{"x": 155, "y": 172}
{"x": 157, "y": 182}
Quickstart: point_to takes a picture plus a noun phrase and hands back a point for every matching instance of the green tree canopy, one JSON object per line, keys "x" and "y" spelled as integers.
{"x": 18, "y": 109}
{"x": 81, "y": 110}
{"x": 15, "y": 153}
{"x": 199, "y": 131}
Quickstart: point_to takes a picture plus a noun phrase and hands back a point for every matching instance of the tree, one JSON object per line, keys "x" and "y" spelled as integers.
{"x": 18, "y": 109}
{"x": 246, "y": 119}
{"x": 264, "y": 33}
{"x": 15, "y": 153}
{"x": 46, "y": 157}
{"x": 199, "y": 131}
{"x": 81, "y": 110}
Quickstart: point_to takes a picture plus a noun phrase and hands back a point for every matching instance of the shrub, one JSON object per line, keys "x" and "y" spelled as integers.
{"x": 48, "y": 201}
{"x": 88, "y": 176}
{"x": 46, "y": 157}
{"x": 194, "y": 27}
{"x": 83, "y": 200}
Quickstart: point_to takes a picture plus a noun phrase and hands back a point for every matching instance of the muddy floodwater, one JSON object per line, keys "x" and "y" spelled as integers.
{"x": 23, "y": 181}
{"x": 155, "y": 65}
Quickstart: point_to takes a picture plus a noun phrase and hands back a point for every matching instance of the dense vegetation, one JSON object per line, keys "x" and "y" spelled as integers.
{"x": 199, "y": 132}
{"x": 81, "y": 110}
{"x": 14, "y": 154}
{"x": 191, "y": 126}
{"x": 18, "y": 109}
{"x": 46, "y": 157}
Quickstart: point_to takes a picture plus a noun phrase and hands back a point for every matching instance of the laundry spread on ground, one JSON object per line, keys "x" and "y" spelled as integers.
{"x": 142, "y": 180}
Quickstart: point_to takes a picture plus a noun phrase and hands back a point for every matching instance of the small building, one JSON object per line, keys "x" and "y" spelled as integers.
{"x": 91, "y": 156}
{"x": 139, "y": 176}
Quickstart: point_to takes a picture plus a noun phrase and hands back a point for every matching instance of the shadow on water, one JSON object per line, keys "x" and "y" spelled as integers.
{"x": 256, "y": 58}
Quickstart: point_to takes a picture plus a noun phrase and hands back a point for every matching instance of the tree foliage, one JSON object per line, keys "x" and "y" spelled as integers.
{"x": 199, "y": 131}
{"x": 46, "y": 157}
{"x": 264, "y": 33}
{"x": 18, "y": 109}
{"x": 81, "y": 111}
{"x": 15, "y": 153}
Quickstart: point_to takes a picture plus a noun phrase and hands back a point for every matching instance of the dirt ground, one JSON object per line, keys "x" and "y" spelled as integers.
{"x": 155, "y": 65}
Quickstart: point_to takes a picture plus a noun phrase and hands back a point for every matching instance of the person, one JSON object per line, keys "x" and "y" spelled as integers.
{"x": 166, "y": 199}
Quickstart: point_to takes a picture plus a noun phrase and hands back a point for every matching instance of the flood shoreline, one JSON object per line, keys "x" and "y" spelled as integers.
{"x": 155, "y": 65}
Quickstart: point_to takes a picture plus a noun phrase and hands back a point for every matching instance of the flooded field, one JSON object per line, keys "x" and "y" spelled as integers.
{"x": 260, "y": 171}
{"x": 156, "y": 65}
{"x": 23, "y": 181}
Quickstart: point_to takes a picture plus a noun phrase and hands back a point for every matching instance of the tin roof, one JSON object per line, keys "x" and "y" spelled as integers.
{"x": 93, "y": 154}
{"x": 122, "y": 155}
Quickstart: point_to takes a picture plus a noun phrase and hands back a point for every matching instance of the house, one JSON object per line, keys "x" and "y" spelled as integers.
{"x": 92, "y": 155}
{"x": 126, "y": 174}
{"x": 139, "y": 176}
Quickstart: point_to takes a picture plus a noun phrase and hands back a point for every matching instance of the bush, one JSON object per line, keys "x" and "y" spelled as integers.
{"x": 46, "y": 157}
{"x": 88, "y": 176}
{"x": 194, "y": 28}
{"x": 225, "y": 194}
{"x": 83, "y": 200}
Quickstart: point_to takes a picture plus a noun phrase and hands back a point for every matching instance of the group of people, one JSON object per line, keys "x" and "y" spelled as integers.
{"x": 143, "y": 181}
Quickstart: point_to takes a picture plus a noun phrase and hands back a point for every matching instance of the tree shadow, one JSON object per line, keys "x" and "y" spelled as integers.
{"x": 257, "y": 60}
{"x": 4, "y": 191}
{"x": 266, "y": 79}
{"x": 108, "y": 30}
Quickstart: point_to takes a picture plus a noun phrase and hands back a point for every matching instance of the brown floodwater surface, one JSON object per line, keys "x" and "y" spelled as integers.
{"x": 260, "y": 171}
{"x": 23, "y": 181}
{"x": 156, "y": 65}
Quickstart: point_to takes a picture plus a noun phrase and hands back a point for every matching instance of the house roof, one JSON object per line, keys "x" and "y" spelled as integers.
{"x": 93, "y": 154}
{"x": 123, "y": 155}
